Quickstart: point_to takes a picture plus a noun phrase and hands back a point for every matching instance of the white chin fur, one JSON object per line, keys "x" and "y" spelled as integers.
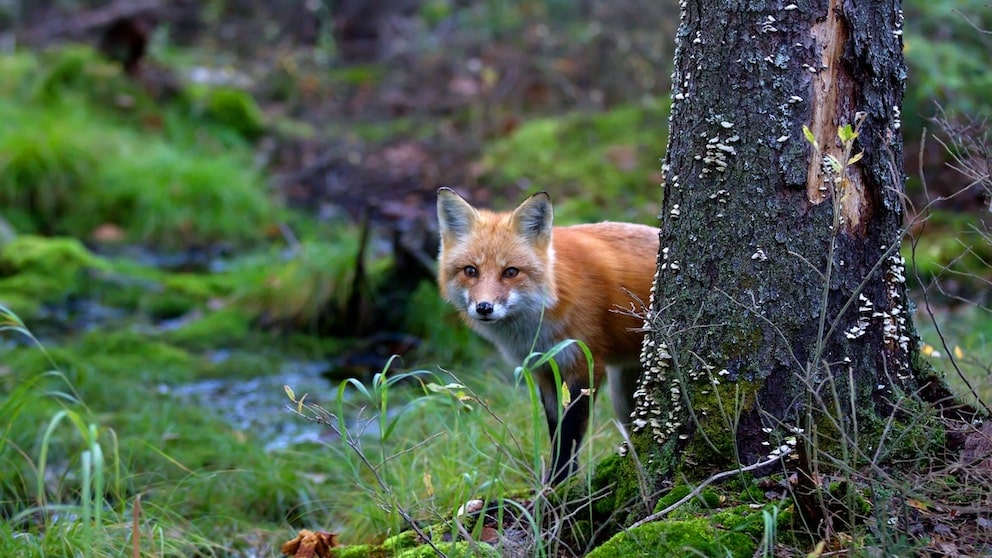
{"x": 500, "y": 309}
{"x": 499, "y": 312}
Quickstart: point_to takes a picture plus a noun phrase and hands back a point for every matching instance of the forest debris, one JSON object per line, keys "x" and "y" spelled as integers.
{"x": 308, "y": 544}
{"x": 978, "y": 447}
{"x": 78, "y": 23}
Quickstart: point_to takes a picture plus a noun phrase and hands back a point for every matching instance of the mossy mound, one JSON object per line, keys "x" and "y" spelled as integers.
{"x": 36, "y": 270}
{"x": 83, "y": 147}
{"x": 677, "y": 538}
{"x": 234, "y": 109}
{"x": 57, "y": 278}
{"x": 606, "y": 156}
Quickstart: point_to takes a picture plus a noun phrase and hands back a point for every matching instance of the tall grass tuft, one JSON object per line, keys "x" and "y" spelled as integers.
{"x": 416, "y": 460}
{"x": 65, "y": 492}
{"x": 72, "y": 160}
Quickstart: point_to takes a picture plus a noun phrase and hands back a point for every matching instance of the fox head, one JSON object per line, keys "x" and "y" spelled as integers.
{"x": 494, "y": 266}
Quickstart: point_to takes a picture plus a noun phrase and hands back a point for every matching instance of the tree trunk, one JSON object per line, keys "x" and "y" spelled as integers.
{"x": 780, "y": 304}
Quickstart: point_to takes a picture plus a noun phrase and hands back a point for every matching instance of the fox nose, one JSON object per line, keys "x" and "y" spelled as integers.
{"x": 484, "y": 308}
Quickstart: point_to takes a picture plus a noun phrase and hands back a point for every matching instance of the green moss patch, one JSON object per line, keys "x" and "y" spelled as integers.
{"x": 676, "y": 538}
{"x": 406, "y": 545}
{"x": 234, "y": 109}
{"x": 715, "y": 405}
{"x": 36, "y": 270}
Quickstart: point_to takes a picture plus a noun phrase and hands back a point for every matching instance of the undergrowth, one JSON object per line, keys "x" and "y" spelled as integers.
{"x": 72, "y": 161}
{"x": 174, "y": 479}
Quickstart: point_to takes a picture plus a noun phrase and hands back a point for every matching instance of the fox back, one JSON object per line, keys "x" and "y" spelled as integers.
{"x": 525, "y": 285}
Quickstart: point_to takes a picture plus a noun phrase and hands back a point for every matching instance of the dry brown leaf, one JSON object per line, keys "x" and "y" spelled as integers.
{"x": 108, "y": 233}
{"x": 916, "y": 504}
{"x": 489, "y": 535}
{"x": 310, "y": 544}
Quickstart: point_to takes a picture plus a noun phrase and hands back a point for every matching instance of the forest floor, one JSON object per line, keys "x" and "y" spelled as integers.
{"x": 179, "y": 352}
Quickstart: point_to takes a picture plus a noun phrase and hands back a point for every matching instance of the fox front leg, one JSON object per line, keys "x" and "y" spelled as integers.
{"x": 566, "y": 429}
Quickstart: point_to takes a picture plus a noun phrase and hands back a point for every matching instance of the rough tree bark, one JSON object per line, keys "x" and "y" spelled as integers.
{"x": 780, "y": 301}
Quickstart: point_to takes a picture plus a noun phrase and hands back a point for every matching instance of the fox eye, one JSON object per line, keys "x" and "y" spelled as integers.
{"x": 510, "y": 272}
{"x": 470, "y": 271}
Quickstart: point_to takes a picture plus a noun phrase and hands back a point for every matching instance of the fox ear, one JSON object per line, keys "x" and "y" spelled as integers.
{"x": 533, "y": 218}
{"x": 455, "y": 216}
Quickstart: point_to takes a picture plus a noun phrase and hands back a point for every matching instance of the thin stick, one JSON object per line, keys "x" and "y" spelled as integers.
{"x": 695, "y": 492}
{"x": 136, "y": 528}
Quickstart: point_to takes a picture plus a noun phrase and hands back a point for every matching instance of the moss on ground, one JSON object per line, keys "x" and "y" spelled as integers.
{"x": 705, "y": 500}
{"x": 234, "y": 109}
{"x": 360, "y": 551}
{"x": 716, "y": 406}
{"x": 316, "y": 288}
{"x": 619, "y": 485}
{"x": 36, "y": 270}
{"x": 406, "y": 545}
{"x": 677, "y": 538}
{"x": 459, "y": 549}
{"x": 225, "y": 328}
{"x": 43, "y": 278}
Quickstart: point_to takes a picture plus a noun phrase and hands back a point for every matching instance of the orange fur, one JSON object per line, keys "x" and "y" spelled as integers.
{"x": 578, "y": 282}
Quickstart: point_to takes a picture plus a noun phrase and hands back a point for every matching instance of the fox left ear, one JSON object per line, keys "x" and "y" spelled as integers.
{"x": 533, "y": 218}
{"x": 455, "y": 217}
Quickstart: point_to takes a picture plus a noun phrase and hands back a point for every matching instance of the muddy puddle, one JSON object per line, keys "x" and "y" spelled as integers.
{"x": 260, "y": 406}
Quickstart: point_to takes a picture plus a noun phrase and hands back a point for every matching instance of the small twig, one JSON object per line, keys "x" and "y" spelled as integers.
{"x": 973, "y": 24}
{"x": 136, "y": 527}
{"x": 696, "y": 491}
{"x": 290, "y": 237}
{"x": 414, "y": 447}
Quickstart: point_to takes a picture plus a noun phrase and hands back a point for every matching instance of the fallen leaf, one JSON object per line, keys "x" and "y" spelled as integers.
{"x": 309, "y": 544}
{"x": 489, "y": 535}
{"x": 916, "y": 504}
{"x": 429, "y": 484}
{"x": 108, "y": 233}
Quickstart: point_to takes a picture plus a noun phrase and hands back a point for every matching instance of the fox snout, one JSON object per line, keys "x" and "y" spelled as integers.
{"x": 484, "y": 309}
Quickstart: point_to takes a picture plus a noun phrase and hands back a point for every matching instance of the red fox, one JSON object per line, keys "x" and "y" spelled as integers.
{"x": 525, "y": 286}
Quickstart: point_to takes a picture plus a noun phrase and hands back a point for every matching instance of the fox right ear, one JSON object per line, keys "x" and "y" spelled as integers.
{"x": 455, "y": 216}
{"x": 533, "y": 218}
